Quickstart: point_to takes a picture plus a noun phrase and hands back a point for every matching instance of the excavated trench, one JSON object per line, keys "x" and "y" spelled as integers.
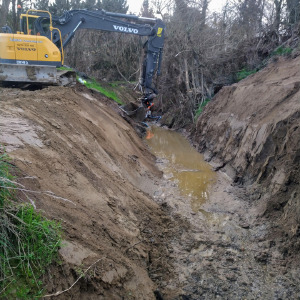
{"x": 181, "y": 232}
{"x": 226, "y": 253}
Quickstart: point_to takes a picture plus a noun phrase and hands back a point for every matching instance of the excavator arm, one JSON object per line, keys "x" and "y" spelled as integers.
{"x": 71, "y": 21}
{"x": 32, "y": 54}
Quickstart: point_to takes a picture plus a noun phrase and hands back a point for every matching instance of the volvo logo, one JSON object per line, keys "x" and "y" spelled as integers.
{"x": 126, "y": 29}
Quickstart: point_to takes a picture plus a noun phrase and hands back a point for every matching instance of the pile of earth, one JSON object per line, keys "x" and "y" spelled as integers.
{"x": 251, "y": 131}
{"x": 84, "y": 166}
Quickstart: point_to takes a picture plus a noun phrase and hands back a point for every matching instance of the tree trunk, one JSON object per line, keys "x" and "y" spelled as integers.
{"x": 14, "y": 15}
{"x": 278, "y": 7}
{"x": 4, "y": 12}
{"x": 204, "y": 11}
{"x": 187, "y": 81}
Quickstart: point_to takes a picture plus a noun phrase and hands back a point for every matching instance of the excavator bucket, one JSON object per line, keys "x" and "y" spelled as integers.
{"x": 135, "y": 112}
{"x": 10, "y": 73}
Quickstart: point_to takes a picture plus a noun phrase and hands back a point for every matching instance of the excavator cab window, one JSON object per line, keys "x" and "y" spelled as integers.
{"x": 31, "y": 24}
{"x": 31, "y": 20}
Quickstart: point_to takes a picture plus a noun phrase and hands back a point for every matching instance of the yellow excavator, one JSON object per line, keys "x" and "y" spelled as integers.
{"x": 33, "y": 54}
{"x": 27, "y": 56}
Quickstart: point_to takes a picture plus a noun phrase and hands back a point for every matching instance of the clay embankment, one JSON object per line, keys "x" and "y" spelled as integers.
{"x": 251, "y": 130}
{"x": 70, "y": 143}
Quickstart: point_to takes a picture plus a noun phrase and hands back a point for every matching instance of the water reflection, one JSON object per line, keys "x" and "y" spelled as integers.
{"x": 185, "y": 165}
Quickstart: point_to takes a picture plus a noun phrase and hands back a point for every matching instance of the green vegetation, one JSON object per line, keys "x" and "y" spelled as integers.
{"x": 244, "y": 73}
{"x": 281, "y": 51}
{"x": 96, "y": 86}
{"x": 64, "y": 69}
{"x": 28, "y": 241}
{"x": 201, "y": 107}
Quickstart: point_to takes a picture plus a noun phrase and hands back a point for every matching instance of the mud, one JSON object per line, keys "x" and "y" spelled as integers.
{"x": 226, "y": 253}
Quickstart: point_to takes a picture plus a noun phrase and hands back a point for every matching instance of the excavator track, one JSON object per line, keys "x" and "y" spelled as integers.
{"x": 27, "y": 73}
{"x": 16, "y": 74}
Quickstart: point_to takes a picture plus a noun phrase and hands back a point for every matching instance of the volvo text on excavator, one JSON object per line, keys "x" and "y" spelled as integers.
{"x": 33, "y": 54}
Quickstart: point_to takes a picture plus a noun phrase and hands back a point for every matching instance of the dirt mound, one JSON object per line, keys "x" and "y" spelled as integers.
{"x": 251, "y": 131}
{"x": 97, "y": 174}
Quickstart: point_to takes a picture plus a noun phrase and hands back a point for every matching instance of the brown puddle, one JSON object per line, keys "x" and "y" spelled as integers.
{"x": 183, "y": 164}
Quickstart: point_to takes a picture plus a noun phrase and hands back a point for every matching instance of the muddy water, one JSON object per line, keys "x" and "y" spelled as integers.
{"x": 182, "y": 164}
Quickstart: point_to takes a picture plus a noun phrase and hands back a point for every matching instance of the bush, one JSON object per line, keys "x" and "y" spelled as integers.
{"x": 28, "y": 242}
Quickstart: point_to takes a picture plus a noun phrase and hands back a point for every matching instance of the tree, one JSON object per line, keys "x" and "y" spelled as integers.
{"x": 293, "y": 8}
{"x": 204, "y": 11}
{"x": 119, "y": 6}
{"x": 250, "y": 16}
{"x": 42, "y": 4}
{"x": 146, "y": 10}
{"x": 4, "y": 12}
{"x": 278, "y": 10}
{"x": 59, "y": 7}
{"x": 89, "y": 4}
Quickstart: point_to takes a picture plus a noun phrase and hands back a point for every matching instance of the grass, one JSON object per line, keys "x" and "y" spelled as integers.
{"x": 96, "y": 86}
{"x": 29, "y": 242}
{"x": 201, "y": 107}
{"x": 244, "y": 73}
{"x": 282, "y": 51}
{"x": 62, "y": 68}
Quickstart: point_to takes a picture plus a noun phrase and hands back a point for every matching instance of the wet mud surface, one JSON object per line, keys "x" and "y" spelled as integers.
{"x": 227, "y": 252}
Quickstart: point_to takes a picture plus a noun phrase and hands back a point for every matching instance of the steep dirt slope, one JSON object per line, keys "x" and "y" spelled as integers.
{"x": 251, "y": 131}
{"x": 97, "y": 173}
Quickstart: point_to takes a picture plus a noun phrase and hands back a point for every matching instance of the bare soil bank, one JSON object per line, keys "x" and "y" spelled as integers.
{"x": 69, "y": 142}
{"x": 251, "y": 131}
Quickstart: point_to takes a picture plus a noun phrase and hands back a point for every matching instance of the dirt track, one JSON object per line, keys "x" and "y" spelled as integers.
{"x": 115, "y": 206}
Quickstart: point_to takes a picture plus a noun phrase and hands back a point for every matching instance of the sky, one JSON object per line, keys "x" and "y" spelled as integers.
{"x": 135, "y": 5}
